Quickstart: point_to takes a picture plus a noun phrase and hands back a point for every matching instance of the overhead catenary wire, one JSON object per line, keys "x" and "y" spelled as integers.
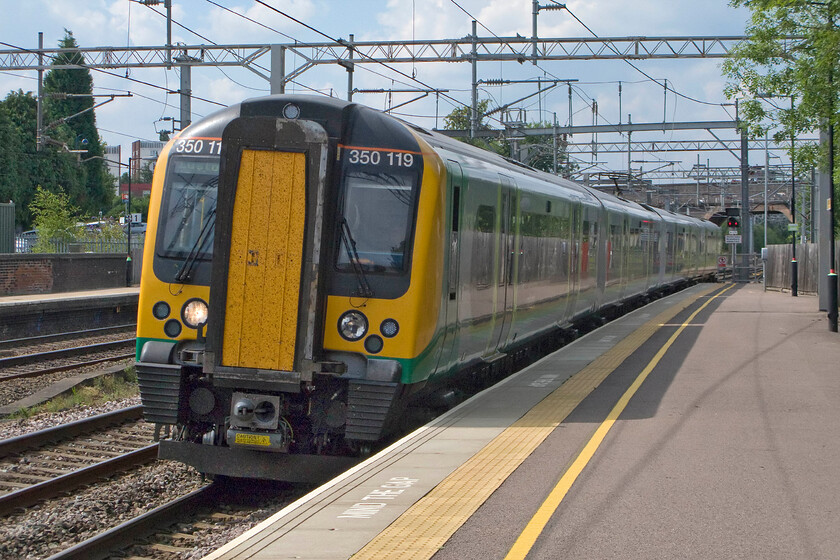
{"x": 446, "y": 96}
{"x": 293, "y": 39}
{"x": 636, "y": 68}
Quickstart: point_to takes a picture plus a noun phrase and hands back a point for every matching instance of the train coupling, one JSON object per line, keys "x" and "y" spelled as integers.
{"x": 255, "y": 423}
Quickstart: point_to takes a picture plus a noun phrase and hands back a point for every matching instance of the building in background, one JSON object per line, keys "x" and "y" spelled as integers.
{"x": 143, "y": 153}
{"x": 113, "y": 157}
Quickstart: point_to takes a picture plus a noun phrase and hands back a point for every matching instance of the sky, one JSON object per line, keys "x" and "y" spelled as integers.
{"x": 97, "y": 23}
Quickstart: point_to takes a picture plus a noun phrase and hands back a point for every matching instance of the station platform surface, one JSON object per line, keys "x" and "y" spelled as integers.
{"x": 703, "y": 425}
{"x": 65, "y": 297}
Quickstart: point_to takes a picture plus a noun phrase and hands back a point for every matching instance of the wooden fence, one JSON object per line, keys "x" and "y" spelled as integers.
{"x": 778, "y": 271}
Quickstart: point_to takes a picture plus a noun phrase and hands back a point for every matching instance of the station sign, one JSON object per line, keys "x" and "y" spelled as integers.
{"x": 733, "y": 239}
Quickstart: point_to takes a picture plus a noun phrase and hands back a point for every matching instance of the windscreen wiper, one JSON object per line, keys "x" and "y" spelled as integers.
{"x": 188, "y": 264}
{"x": 183, "y": 206}
{"x": 355, "y": 262}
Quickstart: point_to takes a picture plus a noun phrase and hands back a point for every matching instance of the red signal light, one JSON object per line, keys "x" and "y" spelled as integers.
{"x": 733, "y": 222}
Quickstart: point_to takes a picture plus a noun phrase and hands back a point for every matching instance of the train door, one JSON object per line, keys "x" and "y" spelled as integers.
{"x": 503, "y": 264}
{"x": 266, "y": 257}
{"x": 513, "y": 254}
{"x": 450, "y": 306}
{"x": 575, "y": 222}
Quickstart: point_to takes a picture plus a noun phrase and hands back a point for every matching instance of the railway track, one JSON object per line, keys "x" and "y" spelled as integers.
{"x": 189, "y": 523}
{"x": 48, "y": 463}
{"x": 53, "y": 361}
{"x": 51, "y": 339}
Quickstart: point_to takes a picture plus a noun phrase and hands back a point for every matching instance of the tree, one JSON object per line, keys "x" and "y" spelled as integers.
{"x": 539, "y": 152}
{"x": 769, "y": 69}
{"x": 459, "y": 119}
{"x": 78, "y": 131}
{"x": 54, "y": 218}
{"x": 22, "y": 167}
{"x": 536, "y": 151}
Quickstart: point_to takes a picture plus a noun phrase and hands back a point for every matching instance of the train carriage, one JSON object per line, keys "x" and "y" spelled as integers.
{"x": 314, "y": 267}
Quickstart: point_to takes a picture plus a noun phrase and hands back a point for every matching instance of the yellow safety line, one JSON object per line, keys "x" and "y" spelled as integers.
{"x": 535, "y": 526}
{"x": 427, "y": 525}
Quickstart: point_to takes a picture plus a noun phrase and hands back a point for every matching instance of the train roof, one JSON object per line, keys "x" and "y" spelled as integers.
{"x": 332, "y": 114}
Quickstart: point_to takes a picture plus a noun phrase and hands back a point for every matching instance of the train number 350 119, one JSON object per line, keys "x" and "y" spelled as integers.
{"x": 376, "y": 157}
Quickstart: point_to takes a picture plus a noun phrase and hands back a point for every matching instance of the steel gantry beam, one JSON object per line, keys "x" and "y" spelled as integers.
{"x": 671, "y": 146}
{"x": 392, "y": 52}
{"x": 597, "y": 129}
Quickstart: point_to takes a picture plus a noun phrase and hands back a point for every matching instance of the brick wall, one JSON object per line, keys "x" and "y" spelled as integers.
{"x": 28, "y": 273}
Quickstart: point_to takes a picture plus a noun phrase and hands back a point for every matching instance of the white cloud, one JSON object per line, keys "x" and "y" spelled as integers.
{"x": 228, "y": 28}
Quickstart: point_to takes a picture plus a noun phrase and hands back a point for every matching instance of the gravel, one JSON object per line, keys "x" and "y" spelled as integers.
{"x": 13, "y": 391}
{"x": 55, "y": 525}
{"x": 16, "y": 427}
{"x": 58, "y": 524}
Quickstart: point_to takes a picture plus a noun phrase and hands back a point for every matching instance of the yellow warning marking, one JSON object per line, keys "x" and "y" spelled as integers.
{"x": 534, "y": 528}
{"x": 427, "y": 525}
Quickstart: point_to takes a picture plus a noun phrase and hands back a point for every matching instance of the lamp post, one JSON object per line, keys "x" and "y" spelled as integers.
{"x": 129, "y": 266}
{"x": 794, "y": 266}
{"x": 832, "y": 271}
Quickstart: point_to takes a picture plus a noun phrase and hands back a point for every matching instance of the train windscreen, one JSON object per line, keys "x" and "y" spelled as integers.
{"x": 188, "y": 209}
{"x": 377, "y": 210}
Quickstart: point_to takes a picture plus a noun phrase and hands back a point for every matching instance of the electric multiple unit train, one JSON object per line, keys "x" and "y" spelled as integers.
{"x": 313, "y": 268}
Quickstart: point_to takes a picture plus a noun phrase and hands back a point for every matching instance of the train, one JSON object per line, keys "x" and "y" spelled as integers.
{"x": 315, "y": 270}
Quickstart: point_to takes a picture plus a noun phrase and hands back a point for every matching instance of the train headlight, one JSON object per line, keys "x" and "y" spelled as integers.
{"x": 194, "y": 313}
{"x": 352, "y": 325}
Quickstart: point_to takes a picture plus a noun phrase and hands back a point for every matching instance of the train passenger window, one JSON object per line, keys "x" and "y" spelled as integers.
{"x": 189, "y": 207}
{"x": 378, "y": 211}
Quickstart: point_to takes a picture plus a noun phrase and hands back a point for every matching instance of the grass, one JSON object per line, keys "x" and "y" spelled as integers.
{"x": 96, "y": 391}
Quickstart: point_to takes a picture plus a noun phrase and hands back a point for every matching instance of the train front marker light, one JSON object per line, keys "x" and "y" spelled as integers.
{"x": 194, "y": 313}
{"x": 352, "y": 325}
{"x": 161, "y": 310}
{"x": 389, "y": 328}
{"x": 172, "y": 328}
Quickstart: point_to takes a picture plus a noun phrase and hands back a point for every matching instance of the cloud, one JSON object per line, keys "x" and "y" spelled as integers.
{"x": 227, "y": 27}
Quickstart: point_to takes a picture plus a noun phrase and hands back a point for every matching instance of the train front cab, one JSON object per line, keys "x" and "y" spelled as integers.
{"x": 317, "y": 330}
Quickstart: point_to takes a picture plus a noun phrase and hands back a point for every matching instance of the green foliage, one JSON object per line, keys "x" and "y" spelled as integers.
{"x": 138, "y": 204}
{"x": 536, "y": 151}
{"x": 94, "y": 392}
{"x": 777, "y": 234}
{"x": 145, "y": 175}
{"x": 22, "y": 168}
{"x": 73, "y": 123}
{"x": 54, "y": 218}
{"x": 539, "y": 152}
{"x": 768, "y": 70}
{"x": 459, "y": 119}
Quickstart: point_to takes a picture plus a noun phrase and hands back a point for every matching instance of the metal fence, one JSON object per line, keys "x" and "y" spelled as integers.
{"x": 26, "y": 244}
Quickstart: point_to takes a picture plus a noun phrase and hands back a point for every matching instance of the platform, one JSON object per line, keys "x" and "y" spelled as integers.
{"x": 85, "y": 295}
{"x": 701, "y": 426}
{"x": 38, "y": 314}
